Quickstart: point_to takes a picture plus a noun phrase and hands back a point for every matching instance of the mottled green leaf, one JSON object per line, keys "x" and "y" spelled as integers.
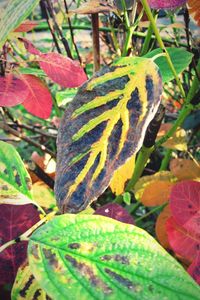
{"x": 64, "y": 97}
{"x": 15, "y": 12}
{"x": 103, "y": 127}
{"x": 26, "y": 287}
{"x": 91, "y": 257}
{"x": 15, "y": 182}
{"x": 180, "y": 59}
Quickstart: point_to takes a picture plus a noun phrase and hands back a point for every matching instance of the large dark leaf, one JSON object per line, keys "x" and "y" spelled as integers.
{"x": 14, "y": 221}
{"x": 91, "y": 257}
{"x": 102, "y": 127}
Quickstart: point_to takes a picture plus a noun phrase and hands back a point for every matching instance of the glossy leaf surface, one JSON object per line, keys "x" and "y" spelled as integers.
{"x": 15, "y": 182}
{"x": 110, "y": 114}
{"x": 26, "y": 287}
{"x": 15, "y": 12}
{"x": 62, "y": 70}
{"x": 93, "y": 257}
{"x": 13, "y": 91}
{"x": 180, "y": 59}
{"x": 38, "y": 101}
{"x": 116, "y": 212}
{"x": 15, "y": 220}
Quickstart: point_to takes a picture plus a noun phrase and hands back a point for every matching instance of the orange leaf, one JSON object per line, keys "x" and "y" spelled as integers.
{"x": 185, "y": 169}
{"x": 161, "y": 227}
{"x": 156, "y": 193}
{"x": 194, "y": 11}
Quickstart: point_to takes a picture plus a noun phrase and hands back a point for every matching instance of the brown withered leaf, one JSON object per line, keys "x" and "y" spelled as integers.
{"x": 185, "y": 169}
{"x": 93, "y": 7}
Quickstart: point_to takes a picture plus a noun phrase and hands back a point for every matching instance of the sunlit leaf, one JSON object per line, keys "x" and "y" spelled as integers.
{"x": 26, "y": 26}
{"x": 185, "y": 205}
{"x": 13, "y": 91}
{"x": 15, "y": 182}
{"x": 177, "y": 141}
{"x": 92, "y": 7}
{"x": 110, "y": 114}
{"x": 160, "y": 227}
{"x": 93, "y": 257}
{"x": 185, "y": 169}
{"x": 26, "y": 287}
{"x": 182, "y": 241}
{"x": 16, "y": 11}
{"x": 144, "y": 181}
{"x": 193, "y": 8}
{"x": 180, "y": 59}
{"x": 39, "y": 100}
{"x": 116, "y": 212}
{"x": 15, "y": 220}
{"x": 156, "y": 193}
{"x": 121, "y": 176}
{"x": 64, "y": 97}
{"x": 62, "y": 70}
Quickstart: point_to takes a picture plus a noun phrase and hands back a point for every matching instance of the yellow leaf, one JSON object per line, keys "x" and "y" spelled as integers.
{"x": 144, "y": 181}
{"x": 43, "y": 195}
{"x": 121, "y": 176}
{"x": 185, "y": 169}
{"x": 179, "y": 139}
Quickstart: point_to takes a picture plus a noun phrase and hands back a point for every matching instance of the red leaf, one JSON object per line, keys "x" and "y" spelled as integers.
{"x": 15, "y": 220}
{"x": 185, "y": 205}
{"x": 194, "y": 269}
{"x": 62, "y": 70}
{"x": 38, "y": 101}
{"x": 29, "y": 46}
{"x": 182, "y": 241}
{"x": 26, "y": 26}
{"x": 115, "y": 211}
{"x": 13, "y": 91}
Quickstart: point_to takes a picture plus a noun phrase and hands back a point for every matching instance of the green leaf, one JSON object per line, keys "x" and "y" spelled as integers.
{"x": 103, "y": 127}
{"x": 15, "y": 182}
{"x": 16, "y": 11}
{"x": 32, "y": 71}
{"x": 64, "y": 97}
{"x": 127, "y": 198}
{"x": 91, "y": 257}
{"x": 26, "y": 287}
{"x": 180, "y": 59}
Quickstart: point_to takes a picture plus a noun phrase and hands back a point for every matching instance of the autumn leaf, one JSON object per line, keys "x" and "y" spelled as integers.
{"x": 156, "y": 193}
{"x": 144, "y": 181}
{"x": 29, "y": 46}
{"x": 170, "y": 4}
{"x": 13, "y": 91}
{"x": 62, "y": 70}
{"x": 193, "y": 8}
{"x": 121, "y": 176}
{"x": 194, "y": 269}
{"x": 160, "y": 227}
{"x": 38, "y": 101}
{"x": 26, "y": 26}
{"x": 177, "y": 141}
{"x": 185, "y": 169}
{"x": 15, "y": 220}
{"x": 43, "y": 195}
{"x": 116, "y": 212}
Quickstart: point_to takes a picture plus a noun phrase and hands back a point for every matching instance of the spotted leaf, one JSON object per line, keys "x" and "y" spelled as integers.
{"x": 103, "y": 127}
{"x": 15, "y": 182}
{"x": 26, "y": 287}
{"x": 93, "y": 257}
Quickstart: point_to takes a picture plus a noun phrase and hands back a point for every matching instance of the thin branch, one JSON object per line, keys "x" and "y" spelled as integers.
{"x": 96, "y": 44}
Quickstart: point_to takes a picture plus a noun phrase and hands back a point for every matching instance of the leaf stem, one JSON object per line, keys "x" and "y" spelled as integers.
{"x": 165, "y": 160}
{"x": 161, "y": 44}
{"x": 155, "y": 209}
{"x": 148, "y": 37}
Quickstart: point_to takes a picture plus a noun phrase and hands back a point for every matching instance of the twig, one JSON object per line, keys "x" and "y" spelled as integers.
{"x": 72, "y": 33}
{"x": 95, "y": 38}
{"x": 41, "y": 174}
{"x": 6, "y": 127}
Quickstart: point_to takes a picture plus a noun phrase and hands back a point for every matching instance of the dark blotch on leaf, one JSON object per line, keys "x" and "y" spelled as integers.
{"x": 26, "y": 287}
{"x": 74, "y": 246}
{"x": 18, "y": 180}
{"x": 51, "y": 257}
{"x": 34, "y": 251}
{"x": 122, "y": 280}
{"x": 86, "y": 271}
{"x": 119, "y": 258}
{"x": 37, "y": 294}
